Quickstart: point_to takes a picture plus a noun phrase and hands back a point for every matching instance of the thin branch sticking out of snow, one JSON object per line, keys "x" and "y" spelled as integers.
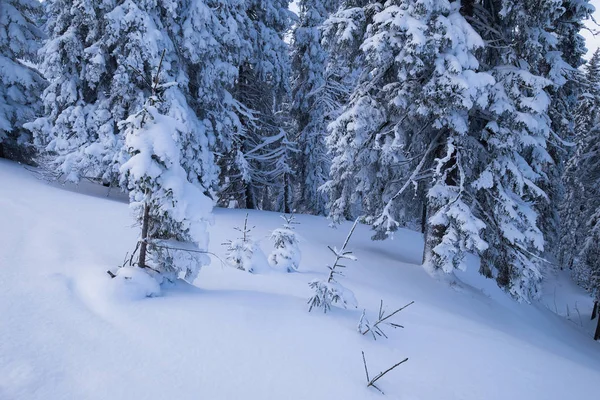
{"x": 371, "y": 382}
{"x": 365, "y": 327}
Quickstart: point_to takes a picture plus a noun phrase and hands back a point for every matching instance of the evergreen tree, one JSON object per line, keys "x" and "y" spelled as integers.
{"x": 212, "y": 47}
{"x": 286, "y": 254}
{"x": 563, "y": 69}
{"x": 574, "y": 210}
{"x": 254, "y": 170}
{"x": 407, "y": 115}
{"x": 91, "y": 86}
{"x": 315, "y": 98}
{"x": 173, "y": 210}
{"x": 441, "y": 127}
{"x": 20, "y": 83}
{"x": 97, "y": 58}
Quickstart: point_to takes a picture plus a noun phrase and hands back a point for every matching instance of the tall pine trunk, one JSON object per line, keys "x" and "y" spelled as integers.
{"x": 144, "y": 239}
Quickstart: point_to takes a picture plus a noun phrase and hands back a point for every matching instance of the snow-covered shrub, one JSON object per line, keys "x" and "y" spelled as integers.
{"x": 329, "y": 291}
{"x": 243, "y": 253}
{"x": 286, "y": 255}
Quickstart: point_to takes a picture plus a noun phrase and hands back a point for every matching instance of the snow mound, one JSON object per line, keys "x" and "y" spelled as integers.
{"x": 134, "y": 283}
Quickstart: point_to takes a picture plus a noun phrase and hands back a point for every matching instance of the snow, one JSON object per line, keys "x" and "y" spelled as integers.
{"x": 67, "y": 331}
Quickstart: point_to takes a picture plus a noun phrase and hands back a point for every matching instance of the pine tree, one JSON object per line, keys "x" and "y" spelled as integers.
{"x": 212, "y": 47}
{"x": 407, "y": 115}
{"x": 315, "y": 99}
{"x": 90, "y": 89}
{"x": 173, "y": 210}
{"x": 513, "y": 133}
{"x": 455, "y": 132}
{"x": 96, "y": 60}
{"x": 574, "y": 210}
{"x": 254, "y": 170}
{"x": 286, "y": 254}
{"x": 20, "y": 83}
{"x": 563, "y": 69}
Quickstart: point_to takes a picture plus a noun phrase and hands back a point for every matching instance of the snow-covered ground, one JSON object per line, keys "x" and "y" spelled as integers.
{"x": 67, "y": 331}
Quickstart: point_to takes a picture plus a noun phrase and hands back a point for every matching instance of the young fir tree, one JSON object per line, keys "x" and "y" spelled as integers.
{"x": 315, "y": 99}
{"x": 20, "y": 84}
{"x": 244, "y": 253}
{"x": 172, "y": 209}
{"x": 286, "y": 255}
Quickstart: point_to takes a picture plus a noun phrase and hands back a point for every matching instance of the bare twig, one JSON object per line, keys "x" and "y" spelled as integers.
{"x": 371, "y": 382}
{"x": 366, "y": 369}
{"x": 375, "y": 329}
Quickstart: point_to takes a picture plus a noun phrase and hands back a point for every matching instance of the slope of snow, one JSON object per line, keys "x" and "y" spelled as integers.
{"x": 67, "y": 331}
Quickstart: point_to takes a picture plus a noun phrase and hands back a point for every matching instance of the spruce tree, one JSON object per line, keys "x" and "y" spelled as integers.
{"x": 172, "y": 209}
{"x": 20, "y": 83}
{"x": 407, "y": 116}
{"x": 315, "y": 99}
{"x": 91, "y": 86}
{"x": 254, "y": 170}
{"x": 574, "y": 211}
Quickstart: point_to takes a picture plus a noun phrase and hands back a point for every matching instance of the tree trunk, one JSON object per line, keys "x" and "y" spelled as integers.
{"x": 286, "y": 195}
{"x": 144, "y": 240}
{"x": 467, "y": 7}
{"x": 249, "y": 198}
{"x": 424, "y": 218}
{"x": 597, "y": 334}
{"x": 595, "y": 310}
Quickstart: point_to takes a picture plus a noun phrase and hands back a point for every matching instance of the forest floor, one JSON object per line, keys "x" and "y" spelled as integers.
{"x": 67, "y": 331}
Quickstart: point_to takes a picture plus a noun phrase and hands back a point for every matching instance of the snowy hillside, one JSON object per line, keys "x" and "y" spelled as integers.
{"x": 67, "y": 331}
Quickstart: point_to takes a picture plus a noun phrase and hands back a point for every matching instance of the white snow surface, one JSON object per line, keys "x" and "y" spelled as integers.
{"x": 67, "y": 331}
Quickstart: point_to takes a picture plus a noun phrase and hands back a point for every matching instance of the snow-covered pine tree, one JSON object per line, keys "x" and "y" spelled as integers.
{"x": 516, "y": 163}
{"x": 563, "y": 69}
{"x": 342, "y": 37}
{"x": 77, "y": 129}
{"x": 172, "y": 209}
{"x": 574, "y": 212}
{"x": 408, "y": 114}
{"x": 244, "y": 253}
{"x": 315, "y": 99}
{"x": 20, "y": 84}
{"x": 210, "y": 38}
{"x": 286, "y": 254}
{"x": 250, "y": 168}
{"x": 509, "y": 150}
{"x": 96, "y": 60}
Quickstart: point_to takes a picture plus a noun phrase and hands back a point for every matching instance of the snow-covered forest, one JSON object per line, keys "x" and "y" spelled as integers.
{"x": 445, "y": 152}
